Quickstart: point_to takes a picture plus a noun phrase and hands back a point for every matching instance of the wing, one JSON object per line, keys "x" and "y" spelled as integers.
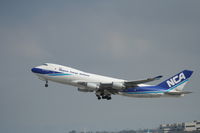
{"x": 105, "y": 90}
{"x": 135, "y": 83}
{"x": 126, "y": 84}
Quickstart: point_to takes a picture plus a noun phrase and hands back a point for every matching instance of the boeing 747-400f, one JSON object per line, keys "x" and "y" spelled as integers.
{"x": 104, "y": 86}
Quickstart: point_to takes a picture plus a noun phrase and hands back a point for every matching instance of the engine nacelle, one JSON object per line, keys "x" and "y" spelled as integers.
{"x": 84, "y": 90}
{"x": 118, "y": 85}
{"x": 92, "y": 86}
{"x": 88, "y": 87}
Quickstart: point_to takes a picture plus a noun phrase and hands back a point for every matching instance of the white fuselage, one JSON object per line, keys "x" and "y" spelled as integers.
{"x": 74, "y": 77}
{"x": 71, "y": 76}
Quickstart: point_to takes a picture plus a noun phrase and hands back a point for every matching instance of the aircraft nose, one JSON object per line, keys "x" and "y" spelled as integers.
{"x": 35, "y": 70}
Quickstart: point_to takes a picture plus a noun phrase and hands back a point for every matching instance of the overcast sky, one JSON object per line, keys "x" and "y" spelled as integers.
{"x": 119, "y": 38}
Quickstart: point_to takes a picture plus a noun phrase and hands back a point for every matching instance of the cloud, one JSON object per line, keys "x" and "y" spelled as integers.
{"x": 122, "y": 46}
{"x": 31, "y": 50}
{"x": 130, "y": 40}
{"x": 22, "y": 43}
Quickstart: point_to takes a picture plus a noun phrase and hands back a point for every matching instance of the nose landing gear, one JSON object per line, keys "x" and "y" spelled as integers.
{"x": 46, "y": 84}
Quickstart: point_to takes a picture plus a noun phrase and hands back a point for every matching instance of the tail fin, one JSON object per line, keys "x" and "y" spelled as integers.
{"x": 177, "y": 82}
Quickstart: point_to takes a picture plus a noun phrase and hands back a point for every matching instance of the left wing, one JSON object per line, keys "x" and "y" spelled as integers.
{"x": 135, "y": 83}
{"x": 115, "y": 85}
{"x": 126, "y": 84}
{"x": 105, "y": 90}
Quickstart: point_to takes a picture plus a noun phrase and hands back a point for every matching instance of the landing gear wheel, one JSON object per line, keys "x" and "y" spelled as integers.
{"x": 103, "y": 97}
{"x": 98, "y": 97}
{"x": 109, "y": 98}
{"x": 46, "y": 85}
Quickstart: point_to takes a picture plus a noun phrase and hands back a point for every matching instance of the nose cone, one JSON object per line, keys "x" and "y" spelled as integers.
{"x": 35, "y": 70}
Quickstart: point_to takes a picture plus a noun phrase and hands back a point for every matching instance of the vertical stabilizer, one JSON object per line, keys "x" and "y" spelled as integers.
{"x": 177, "y": 82}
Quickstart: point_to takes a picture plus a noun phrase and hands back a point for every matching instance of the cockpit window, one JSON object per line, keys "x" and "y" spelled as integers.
{"x": 45, "y": 64}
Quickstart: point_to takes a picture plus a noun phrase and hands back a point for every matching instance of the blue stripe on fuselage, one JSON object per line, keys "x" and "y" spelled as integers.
{"x": 150, "y": 89}
{"x": 144, "y": 90}
{"x": 48, "y": 72}
{"x": 59, "y": 74}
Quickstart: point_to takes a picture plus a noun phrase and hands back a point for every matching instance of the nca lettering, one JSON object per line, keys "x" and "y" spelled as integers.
{"x": 175, "y": 80}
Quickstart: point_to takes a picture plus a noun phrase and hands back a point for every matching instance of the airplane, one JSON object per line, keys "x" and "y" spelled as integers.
{"x": 104, "y": 86}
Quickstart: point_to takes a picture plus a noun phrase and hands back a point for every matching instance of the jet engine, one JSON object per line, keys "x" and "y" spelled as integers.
{"x": 88, "y": 87}
{"x": 118, "y": 85}
{"x": 92, "y": 86}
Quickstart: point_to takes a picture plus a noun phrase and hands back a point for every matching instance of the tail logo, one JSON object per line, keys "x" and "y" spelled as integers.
{"x": 175, "y": 80}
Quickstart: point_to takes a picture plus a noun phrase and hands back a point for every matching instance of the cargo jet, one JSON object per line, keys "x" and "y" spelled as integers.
{"x": 104, "y": 86}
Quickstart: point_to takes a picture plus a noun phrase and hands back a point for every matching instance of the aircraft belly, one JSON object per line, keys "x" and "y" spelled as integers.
{"x": 62, "y": 79}
{"x": 152, "y": 95}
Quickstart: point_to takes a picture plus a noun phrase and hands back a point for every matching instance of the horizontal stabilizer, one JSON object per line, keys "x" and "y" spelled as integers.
{"x": 178, "y": 92}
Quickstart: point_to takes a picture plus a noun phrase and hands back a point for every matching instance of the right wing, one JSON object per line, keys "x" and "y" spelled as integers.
{"x": 115, "y": 85}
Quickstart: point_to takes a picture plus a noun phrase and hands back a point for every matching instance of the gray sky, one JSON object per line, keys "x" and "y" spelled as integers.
{"x": 119, "y": 38}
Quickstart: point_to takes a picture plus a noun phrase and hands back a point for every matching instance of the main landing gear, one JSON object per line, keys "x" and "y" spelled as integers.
{"x": 102, "y": 96}
{"x": 46, "y": 84}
